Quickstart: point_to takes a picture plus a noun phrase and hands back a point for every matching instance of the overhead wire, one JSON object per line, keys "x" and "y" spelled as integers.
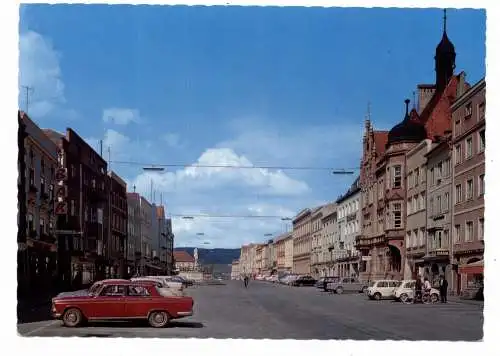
{"x": 231, "y": 166}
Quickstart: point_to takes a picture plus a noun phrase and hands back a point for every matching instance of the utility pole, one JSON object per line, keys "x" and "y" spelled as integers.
{"x": 27, "y": 90}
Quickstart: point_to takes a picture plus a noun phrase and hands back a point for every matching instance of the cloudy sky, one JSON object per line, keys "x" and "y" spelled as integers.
{"x": 280, "y": 87}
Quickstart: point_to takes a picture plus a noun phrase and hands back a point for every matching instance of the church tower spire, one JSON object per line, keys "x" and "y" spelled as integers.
{"x": 444, "y": 59}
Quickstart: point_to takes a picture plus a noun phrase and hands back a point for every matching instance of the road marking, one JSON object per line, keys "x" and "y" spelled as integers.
{"x": 53, "y": 322}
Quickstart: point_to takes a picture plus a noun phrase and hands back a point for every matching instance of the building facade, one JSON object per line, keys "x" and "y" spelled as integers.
{"x": 330, "y": 235}
{"x": 436, "y": 260}
{"x": 184, "y": 262}
{"x": 82, "y": 197}
{"x": 169, "y": 245}
{"x": 37, "y": 268}
{"x": 235, "y": 270}
{"x": 288, "y": 238}
{"x": 146, "y": 210}
{"x": 116, "y": 229}
{"x": 134, "y": 233}
{"x": 383, "y": 169}
{"x": 469, "y": 142}
{"x": 302, "y": 231}
{"x": 316, "y": 257}
{"x": 416, "y": 209}
{"x": 346, "y": 256}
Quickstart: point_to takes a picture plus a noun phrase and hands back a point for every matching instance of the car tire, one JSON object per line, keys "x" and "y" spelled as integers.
{"x": 403, "y": 297}
{"x": 377, "y": 296}
{"x": 339, "y": 290}
{"x": 434, "y": 298}
{"x": 364, "y": 289}
{"x": 158, "y": 319}
{"x": 72, "y": 317}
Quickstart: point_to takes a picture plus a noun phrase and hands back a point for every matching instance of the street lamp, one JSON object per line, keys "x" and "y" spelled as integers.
{"x": 342, "y": 171}
{"x": 153, "y": 169}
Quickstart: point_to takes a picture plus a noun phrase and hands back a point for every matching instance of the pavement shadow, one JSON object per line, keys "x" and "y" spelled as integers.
{"x": 34, "y": 314}
{"x": 142, "y": 324}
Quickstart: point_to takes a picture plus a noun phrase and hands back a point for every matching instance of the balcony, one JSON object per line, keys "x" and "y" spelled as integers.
{"x": 362, "y": 242}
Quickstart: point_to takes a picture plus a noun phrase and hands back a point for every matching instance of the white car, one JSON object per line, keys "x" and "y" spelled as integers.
{"x": 407, "y": 290}
{"x": 168, "y": 289}
{"x": 382, "y": 289}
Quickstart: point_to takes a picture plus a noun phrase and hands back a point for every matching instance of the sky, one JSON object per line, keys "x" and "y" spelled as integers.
{"x": 262, "y": 86}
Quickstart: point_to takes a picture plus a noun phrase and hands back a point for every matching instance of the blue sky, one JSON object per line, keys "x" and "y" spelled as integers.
{"x": 233, "y": 85}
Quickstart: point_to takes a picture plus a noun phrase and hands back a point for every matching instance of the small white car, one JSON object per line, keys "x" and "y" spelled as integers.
{"x": 168, "y": 289}
{"x": 407, "y": 289}
{"x": 382, "y": 289}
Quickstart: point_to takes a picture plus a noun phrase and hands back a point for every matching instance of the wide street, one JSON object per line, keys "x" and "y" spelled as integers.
{"x": 271, "y": 311}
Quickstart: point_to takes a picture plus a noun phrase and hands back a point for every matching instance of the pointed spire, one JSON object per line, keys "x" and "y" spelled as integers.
{"x": 407, "y": 102}
{"x": 444, "y": 21}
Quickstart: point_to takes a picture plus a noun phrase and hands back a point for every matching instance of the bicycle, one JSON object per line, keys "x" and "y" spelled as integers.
{"x": 424, "y": 297}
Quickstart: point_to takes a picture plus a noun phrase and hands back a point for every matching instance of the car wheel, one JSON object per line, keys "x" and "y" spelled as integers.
{"x": 377, "y": 296}
{"x": 434, "y": 298}
{"x": 364, "y": 289}
{"x": 403, "y": 297}
{"x": 158, "y": 319}
{"x": 339, "y": 290}
{"x": 72, "y": 317}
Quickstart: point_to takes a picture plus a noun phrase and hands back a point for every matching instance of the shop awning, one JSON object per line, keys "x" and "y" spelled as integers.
{"x": 472, "y": 268}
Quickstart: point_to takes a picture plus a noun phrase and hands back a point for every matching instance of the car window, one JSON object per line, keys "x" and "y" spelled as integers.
{"x": 138, "y": 291}
{"x": 345, "y": 280}
{"x": 353, "y": 280}
{"x": 95, "y": 288}
{"x": 382, "y": 284}
{"x": 113, "y": 291}
{"x": 394, "y": 283}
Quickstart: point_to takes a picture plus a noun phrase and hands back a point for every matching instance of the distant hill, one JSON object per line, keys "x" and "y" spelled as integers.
{"x": 213, "y": 256}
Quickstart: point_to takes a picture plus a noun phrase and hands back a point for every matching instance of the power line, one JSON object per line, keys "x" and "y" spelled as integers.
{"x": 347, "y": 170}
{"x": 28, "y": 90}
{"x": 231, "y": 216}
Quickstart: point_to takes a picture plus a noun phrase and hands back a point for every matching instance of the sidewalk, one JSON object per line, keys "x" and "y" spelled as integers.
{"x": 458, "y": 300}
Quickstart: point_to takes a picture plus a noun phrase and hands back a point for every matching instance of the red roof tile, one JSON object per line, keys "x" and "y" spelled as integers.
{"x": 380, "y": 138}
{"x": 183, "y": 256}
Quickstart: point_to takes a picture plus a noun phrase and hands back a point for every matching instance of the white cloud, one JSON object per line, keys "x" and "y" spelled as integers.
{"x": 39, "y": 69}
{"x": 121, "y": 116}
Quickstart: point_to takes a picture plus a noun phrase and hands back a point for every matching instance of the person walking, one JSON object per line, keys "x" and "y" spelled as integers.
{"x": 418, "y": 290}
{"x": 443, "y": 289}
{"x": 245, "y": 281}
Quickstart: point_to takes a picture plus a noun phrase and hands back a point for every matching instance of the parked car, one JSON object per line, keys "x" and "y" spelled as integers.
{"x": 382, "y": 289}
{"x": 320, "y": 282}
{"x": 166, "y": 288}
{"x": 407, "y": 290}
{"x": 304, "y": 281}
{"x": 289, "y": 279}
{"x": 170, "y": 281}
{"x": 347, "y": 285}
{"x": 122, "y": 300}
{"x": 273, "y": 278}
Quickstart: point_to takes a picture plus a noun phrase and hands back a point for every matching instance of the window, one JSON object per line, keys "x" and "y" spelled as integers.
{"x": 408, "y": 239}
{"x": 396, "y": 214}
{"x": 468, "y": 110}
{"x": 72, "y": 208}
{"x": 408, "y": 207}
{"x": 469, "y": 191}
{"x": 421, "y": 234}
{"x": 30, "y": 222}
{"x": 431, "y": 207}
{"x": 439, "y": 172}
{"x": 445, "y": 238}
{"x": 421, "y": 201}
{"x": 456, "y": 234}
{"x": 396, "y": 182}
{"x": 113, "y": 291}
{"x": 482, "y": 141}
{"x": 417, "y": 176}
{"x": 42, "y": 226}
{"x": 414, "y": 241}
{"x": 469, "y": 230}
{"x": 458, "y": 130}
{"x": 73, "y": 171}
{"x": 410, "y": 180}
{"x": 32, "y": 177}
{"x": 432, "y": 176}
{"x": 458, "y": 193}
{"x": 439, "y": 208}
{"x": 446, "y": 201}
{"x": 42, "y": 185}
{"x": 481, "y": 185}
{"x": 446, "y": 168}
{"x": 468, "y": 148}
{"x": 458, "y": 154}
{"x": 481, "y": 229}
{"x": 481, "y": 111}
{"x": 415, "y": 202}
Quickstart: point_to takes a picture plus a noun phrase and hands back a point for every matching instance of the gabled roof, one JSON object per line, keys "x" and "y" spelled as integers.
{"x": 183, "y": 256}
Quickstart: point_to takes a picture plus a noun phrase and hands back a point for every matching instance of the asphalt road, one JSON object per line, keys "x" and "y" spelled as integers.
{"x": 279, "y": 312}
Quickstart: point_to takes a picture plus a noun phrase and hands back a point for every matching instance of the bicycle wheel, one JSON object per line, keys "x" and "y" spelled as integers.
{"x": 426, "y": 299}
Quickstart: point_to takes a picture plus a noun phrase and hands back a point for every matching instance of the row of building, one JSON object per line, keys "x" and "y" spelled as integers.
{"x": 417, "y": 207}
{"x": 77, "y": 222}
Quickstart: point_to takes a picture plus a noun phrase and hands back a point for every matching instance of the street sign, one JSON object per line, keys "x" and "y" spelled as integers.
{"x": 61, "y": 192}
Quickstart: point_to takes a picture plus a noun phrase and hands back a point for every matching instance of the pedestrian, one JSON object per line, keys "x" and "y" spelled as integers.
{"x": 418, "y": 289}
{"x": 443, "y": 289}
{"x": 245, "y": 281}
{"x": 325, "y": 284}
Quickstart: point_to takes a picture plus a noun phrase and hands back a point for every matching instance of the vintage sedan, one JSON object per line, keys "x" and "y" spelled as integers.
{"x": 348, "y": 285}
{"x": 122, "y": 300}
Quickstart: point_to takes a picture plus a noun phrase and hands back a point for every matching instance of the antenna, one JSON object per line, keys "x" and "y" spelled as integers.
{"x": 28, "y": 90}
{"x": 100, "y": 145}
{"x": 109, "y": 158}
{"x": 368, "y": 112}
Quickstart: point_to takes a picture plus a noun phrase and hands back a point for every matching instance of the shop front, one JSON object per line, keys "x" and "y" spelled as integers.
{"x": 471, "y": 274}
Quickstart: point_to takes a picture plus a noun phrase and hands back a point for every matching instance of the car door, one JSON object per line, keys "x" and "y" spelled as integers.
{"x": 110, "y": 303}
{"x": 138, "y": 301}
{"x": 383, "y": 288}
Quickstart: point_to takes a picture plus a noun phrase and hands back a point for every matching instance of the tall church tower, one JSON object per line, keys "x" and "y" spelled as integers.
{"x": 444, "y": 59}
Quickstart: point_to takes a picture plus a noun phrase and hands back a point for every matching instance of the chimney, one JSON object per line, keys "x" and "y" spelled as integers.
{"x": 461, "y": 84}
{"x": 425, "y": 93}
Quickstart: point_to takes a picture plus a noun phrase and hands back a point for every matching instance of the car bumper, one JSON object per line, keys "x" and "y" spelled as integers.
{"x": 184, "y": 314}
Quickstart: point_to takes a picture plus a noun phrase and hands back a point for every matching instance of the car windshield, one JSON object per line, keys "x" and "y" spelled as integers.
{"x": 372, "y": 284}
{"x": 94, "y": 288}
